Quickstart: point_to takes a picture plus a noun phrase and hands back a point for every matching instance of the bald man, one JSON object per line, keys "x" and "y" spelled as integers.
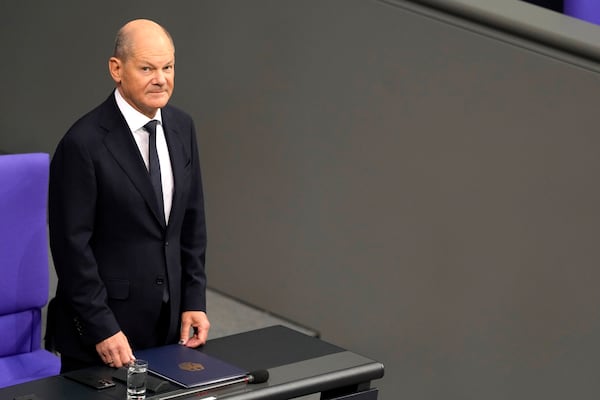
{"x": 126, "y": 216}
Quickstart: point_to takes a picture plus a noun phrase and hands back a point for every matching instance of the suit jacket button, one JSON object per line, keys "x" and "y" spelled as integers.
{"x": 159, "y": 281}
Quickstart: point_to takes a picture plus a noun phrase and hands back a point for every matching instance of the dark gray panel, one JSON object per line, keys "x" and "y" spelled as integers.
{"x": 420, "y": 191}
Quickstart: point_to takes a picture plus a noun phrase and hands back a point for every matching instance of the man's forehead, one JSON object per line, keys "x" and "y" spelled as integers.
{"x": 153, "y": 60}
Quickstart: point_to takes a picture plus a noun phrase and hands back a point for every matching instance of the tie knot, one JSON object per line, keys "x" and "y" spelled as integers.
{"x": 151, "y": 126}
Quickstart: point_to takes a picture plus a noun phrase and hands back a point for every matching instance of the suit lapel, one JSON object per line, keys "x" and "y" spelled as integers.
{"x": 177, "y": 157}
{"x": 120, "y": 143}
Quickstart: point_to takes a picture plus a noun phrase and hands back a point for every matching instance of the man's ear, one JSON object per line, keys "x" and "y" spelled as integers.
{"x": 114, "y": 67}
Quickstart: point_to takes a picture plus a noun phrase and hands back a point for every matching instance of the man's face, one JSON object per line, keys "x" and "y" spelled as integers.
{"x": 146, "y": 77}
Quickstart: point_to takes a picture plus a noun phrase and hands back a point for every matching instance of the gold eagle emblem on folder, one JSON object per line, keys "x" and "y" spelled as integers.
{"x": 191, "y": 366}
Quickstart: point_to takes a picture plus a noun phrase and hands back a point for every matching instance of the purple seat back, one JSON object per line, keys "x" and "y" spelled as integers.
{"x": 23, "y": 250}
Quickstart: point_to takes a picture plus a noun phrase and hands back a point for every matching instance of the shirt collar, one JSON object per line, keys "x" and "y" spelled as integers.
{"x": 135, "y": 119}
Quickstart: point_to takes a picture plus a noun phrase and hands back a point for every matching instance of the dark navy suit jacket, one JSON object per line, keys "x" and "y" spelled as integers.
{"x": 111, "y": 251}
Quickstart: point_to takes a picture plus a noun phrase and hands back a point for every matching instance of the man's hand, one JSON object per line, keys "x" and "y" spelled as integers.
{"x": 115, "y": 350}
{"x": 198, "y": 321}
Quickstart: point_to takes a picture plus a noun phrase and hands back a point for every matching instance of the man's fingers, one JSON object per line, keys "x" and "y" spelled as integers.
{"x": 115, "y": 351}
{"x": 200, "y": 324}
{"x": 184, "y": 334}
{"x": 198, "y": 339}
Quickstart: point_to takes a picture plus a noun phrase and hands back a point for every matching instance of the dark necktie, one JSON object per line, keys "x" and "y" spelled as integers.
{"x": 154, "y": 165}
{"x": 154, "y": 170}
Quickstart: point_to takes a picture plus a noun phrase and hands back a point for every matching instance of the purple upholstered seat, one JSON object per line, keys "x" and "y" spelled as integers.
{"x": 23, "y": 268}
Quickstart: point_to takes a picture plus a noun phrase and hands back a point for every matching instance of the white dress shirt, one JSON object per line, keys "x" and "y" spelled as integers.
{"x": 136, "y": 121}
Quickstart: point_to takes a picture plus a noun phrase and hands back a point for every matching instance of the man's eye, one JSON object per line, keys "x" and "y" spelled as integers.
{"x": 145, "y": 69}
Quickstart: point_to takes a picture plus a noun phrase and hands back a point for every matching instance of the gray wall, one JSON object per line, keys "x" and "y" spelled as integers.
{"x": 418, "y": 188}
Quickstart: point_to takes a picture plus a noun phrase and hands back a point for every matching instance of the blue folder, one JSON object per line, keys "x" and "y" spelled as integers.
{"x": 190, "y": 367}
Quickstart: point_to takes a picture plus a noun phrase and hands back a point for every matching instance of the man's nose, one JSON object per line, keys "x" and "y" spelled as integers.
{"x": 159, "y": 77}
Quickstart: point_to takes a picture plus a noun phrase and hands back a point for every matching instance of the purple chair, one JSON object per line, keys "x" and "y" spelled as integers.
{"x": 24, "y": 268}
{"x": 587, "y": 10}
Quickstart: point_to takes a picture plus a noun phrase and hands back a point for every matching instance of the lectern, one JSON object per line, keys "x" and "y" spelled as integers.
{"x": 298, "y": 365}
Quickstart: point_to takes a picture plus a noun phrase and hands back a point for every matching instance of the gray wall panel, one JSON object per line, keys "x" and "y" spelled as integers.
{"x": 420, "y": 189}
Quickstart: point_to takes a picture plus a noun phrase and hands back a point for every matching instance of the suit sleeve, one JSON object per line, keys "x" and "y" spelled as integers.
{"x": 193, "y": 238}
{"x": 71, "y": 206}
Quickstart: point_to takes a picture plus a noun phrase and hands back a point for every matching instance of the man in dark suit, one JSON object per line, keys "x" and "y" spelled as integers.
{"x": 128, "y": 249}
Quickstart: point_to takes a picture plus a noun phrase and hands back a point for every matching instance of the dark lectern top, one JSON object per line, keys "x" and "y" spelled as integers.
{"x": 268, "y": 347}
